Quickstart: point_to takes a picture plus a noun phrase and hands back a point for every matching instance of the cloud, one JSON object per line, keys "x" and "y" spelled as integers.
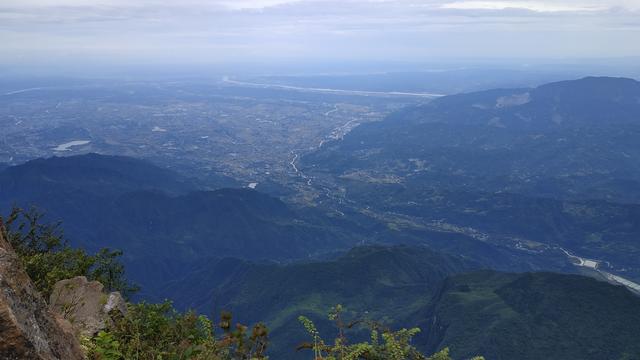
{"x": 228, "y": 30}
{"x": 542, "y": 6}
{"x": 525, "y": 5}
{"x": 254, "y": 4}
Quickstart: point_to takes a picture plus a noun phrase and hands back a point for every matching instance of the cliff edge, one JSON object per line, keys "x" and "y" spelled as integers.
{"x": 28, "y": 329}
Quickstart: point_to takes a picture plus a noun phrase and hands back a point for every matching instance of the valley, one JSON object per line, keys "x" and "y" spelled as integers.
{"x": 595, "y": 265}
{"x": 319, "y": 180}
{"x": 278, "y": 201}
{"x": 365, "y": 159}
{"x": 530, "y": 186}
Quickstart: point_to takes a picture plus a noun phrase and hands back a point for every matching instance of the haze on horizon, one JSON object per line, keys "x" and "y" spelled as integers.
{"x": 68, "y": 32}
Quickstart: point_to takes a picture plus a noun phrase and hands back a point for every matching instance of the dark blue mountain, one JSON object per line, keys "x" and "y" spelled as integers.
{"x": 160, "y": 218}
{"x": 573, "y": 139}
{"x": 532, "y": 169}
{"x": 531, "y": 316}
{"x": 500, "y": 315}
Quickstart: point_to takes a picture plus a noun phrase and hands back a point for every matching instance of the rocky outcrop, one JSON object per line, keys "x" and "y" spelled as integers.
{"x": 28, "y": 329}
{"x": 85, "y": 304}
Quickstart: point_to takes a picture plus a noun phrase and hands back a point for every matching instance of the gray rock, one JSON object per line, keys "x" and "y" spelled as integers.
{"x": 28, "y": 329}
{"x": 85, "y": 304}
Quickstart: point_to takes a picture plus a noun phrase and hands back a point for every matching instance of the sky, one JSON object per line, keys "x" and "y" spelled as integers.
{"x": 288, "y": 31}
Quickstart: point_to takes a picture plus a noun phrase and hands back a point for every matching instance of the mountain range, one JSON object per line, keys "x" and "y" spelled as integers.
{"x": 537, "y": 169}
{"x": 570, "y": 140}
{"x": 159, "y": 217}
{"x": 457, "y": 216}
{"x": 167, "y": 226}
{"x": 454, "y": 303}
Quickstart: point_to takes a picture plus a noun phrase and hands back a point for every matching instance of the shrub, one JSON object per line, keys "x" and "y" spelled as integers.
{"x": 384, "y": 344}
{"x": 158, "y": 331}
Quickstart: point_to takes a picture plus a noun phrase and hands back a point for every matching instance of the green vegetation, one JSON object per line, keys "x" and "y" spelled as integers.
{"x": 526, "y": 316}
{"x": 159, "y": 331}
{"x": 384, "y": 344}
{"x": 48, "y": 258}
{"x": 385, "y": 284}
{"x": 499, "y": 315}
{"x": 147, "y": 331}
{"x": 532, "y": 316}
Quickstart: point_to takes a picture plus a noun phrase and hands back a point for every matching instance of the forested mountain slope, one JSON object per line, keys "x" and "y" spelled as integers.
{"x": 534, "y": 169}
{"x": 532, "y": 316}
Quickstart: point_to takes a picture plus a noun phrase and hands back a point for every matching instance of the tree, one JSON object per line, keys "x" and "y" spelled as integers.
{"x": 48, "y": 258}
{"x": 158, "y": 331}
{"x": 384, "y": 344}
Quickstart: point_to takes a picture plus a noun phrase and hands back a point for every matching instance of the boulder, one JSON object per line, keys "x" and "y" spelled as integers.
{"x": 85, "y": 304}
{"x": 28, "y": 329}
